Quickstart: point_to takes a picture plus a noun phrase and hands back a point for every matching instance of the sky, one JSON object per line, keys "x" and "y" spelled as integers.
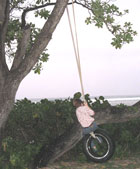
{"x": 106, "y": 71}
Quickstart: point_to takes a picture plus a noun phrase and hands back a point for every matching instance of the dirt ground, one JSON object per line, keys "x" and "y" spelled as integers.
{"x": 129, "y": 163}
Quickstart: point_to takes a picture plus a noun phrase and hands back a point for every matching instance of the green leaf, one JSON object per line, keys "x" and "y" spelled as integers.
{"x": 43, "y": 13}
{"x": 77, "y": 95}
{"x": 38, "y": 67}
{"x": 104, "y": 13}
{"x": 88, "y": 20}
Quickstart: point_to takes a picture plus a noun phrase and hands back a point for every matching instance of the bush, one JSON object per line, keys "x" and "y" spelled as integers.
{"x": 31, "y": 125}
{"x": 126, "y": 136}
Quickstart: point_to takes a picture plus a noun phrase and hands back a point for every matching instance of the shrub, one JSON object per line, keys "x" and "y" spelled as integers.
{"x": 31, "y": 125}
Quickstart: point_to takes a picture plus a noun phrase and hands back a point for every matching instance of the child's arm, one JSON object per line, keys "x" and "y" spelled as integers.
{"x": 90, "y": 111}
{"x": 79, "y": 116}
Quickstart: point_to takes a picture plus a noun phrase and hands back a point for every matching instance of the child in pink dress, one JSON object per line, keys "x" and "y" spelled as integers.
{"x": 85, "y": 116}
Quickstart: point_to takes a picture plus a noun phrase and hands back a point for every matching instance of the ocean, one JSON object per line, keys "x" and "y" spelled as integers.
{"x": 126, "y": 100}
{"x": 113, "y": 100}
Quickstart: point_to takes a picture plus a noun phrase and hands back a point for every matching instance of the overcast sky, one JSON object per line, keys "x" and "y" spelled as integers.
{"x": 106, "y": 71}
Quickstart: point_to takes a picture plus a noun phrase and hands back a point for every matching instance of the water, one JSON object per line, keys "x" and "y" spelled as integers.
{"x": 113, "y": 100}
{"x": 123, "y": 100}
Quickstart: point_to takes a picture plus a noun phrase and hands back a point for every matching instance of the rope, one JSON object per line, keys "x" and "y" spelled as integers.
{"x": 76, "y": 46}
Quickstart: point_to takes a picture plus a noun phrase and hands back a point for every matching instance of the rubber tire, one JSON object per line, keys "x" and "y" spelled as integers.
{"x": 111, "y": 145}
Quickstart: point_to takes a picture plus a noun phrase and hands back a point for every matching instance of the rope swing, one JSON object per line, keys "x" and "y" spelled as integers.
{"x": 76, "y": 46}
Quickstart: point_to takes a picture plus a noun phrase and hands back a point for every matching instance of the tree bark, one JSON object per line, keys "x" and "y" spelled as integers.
{"x": 71, "y": 138}
{"x": 4, "y": 18}
{"x": 8, "y": 88}
{"x": 60, "y": 146}
{"x": 43, "y": 39}
{"x": 5, "y": 101}
{"x": 22, "y": 64}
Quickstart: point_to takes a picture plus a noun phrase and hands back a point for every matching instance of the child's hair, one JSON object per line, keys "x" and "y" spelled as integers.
{"x": 79, "y": 101}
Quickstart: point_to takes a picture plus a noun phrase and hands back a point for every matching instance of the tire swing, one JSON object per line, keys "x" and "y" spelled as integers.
{"x": 98, "y": 146}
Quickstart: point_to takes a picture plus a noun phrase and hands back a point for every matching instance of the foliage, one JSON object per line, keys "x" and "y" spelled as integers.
{"x": 101, "y": 13}
{"x": 126, "y": 136}
{"x": 43, "y": 13}
{"x": 16, "y": 26}
{"x": 31, "y": 125}
{"x": 43, "y": 58}
{"x": 100, "y": 104}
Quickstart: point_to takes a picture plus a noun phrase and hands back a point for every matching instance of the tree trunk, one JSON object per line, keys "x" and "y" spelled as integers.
{"x": 71, "y": 138}
{"x": 8, "y": 88}
{"x": 10, "y": 79}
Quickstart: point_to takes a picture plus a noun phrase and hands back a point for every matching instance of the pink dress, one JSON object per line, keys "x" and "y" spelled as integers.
{"x": 84, "y": 114}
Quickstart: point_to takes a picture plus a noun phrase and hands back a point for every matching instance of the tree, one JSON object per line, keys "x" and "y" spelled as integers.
{"x": 25, "y": 44}
{"x": 15, "y": 31}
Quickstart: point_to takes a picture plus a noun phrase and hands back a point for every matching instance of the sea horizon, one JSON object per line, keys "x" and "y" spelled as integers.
{"x": 113, "y": 100}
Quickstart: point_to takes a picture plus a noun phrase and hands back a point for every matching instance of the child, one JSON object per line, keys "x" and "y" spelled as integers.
{"x": 85, "y": 116}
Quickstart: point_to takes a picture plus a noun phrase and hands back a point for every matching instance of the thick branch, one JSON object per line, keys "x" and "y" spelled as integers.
{"x": 2, "y": 11}
{"x": 60, "y": 146}
{"x": 22, "y": 47}
{"x": 117, "y": 115}
{"x": 4, "y": 17}
{"x": 33, "y": 9}
{"x": 70, "y": 138}
{"x": 43, "y": 38}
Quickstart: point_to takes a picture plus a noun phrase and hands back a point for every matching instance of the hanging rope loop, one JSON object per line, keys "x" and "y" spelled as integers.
{"x": 76, "y": 46}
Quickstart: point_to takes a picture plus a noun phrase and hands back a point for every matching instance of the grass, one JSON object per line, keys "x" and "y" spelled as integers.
{"x": 116, "y": 163}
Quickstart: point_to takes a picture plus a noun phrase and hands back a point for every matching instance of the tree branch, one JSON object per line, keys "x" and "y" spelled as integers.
{"x": 4, "y": 18}
{"x": 71, "y": 138}
{"x": 117, "y": 115}
{"x": 58, "y": 147}
{"x": 32, "y": 9}
{"x": 83, "y": 5}
{"x": 43, "y": 38}
{"x": 22, "y": 47}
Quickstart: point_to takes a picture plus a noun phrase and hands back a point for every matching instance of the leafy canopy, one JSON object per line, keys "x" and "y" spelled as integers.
{"x": 101, "y": 13}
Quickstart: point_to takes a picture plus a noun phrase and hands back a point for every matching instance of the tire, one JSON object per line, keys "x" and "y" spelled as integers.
{"x": 98, "y": 149}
